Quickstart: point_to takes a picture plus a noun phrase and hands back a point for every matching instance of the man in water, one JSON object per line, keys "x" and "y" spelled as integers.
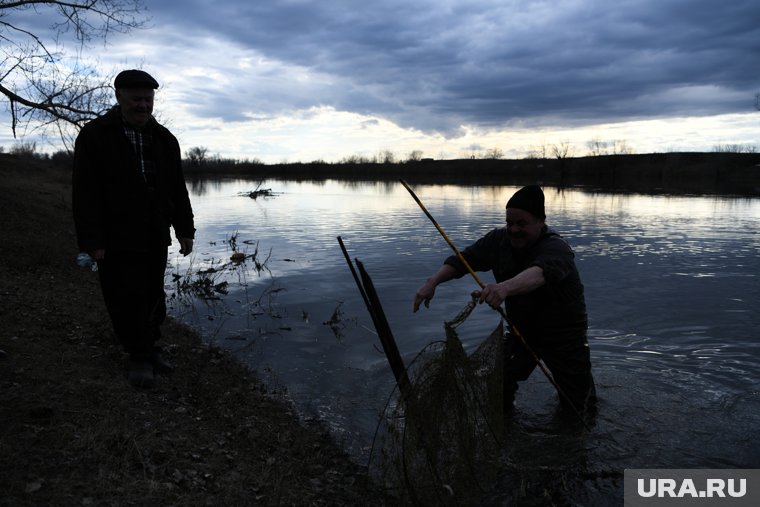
{"x": 128, "y": 189}
{"x": 537, "y": 279}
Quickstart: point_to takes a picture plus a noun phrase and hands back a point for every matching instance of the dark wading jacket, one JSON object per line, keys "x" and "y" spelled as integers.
{"x": 554, "y": 314}
{"x": 113, "y": 206}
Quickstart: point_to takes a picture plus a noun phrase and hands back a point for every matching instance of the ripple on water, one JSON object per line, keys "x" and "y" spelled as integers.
{"x": 671, "y": 302}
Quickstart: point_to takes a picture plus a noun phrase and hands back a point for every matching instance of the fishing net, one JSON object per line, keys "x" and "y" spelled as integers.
{"x": 439, "y": 437}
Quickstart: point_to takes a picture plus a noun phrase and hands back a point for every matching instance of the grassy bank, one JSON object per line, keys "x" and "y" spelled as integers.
{"x": 72, "y": 431}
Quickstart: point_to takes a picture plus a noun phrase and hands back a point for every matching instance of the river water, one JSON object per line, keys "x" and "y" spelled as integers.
{"x": 672, "y": 291}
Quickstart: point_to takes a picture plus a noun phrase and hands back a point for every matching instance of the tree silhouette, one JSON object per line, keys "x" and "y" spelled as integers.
{"x": 44, "y": 87}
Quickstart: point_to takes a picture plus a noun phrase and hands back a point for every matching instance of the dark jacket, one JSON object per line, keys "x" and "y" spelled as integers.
{"x": 114, "y": 208}
{"x": 552, "y": 314}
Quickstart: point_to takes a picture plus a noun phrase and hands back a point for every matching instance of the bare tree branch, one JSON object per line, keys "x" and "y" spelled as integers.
{"x": 43, "y": 87}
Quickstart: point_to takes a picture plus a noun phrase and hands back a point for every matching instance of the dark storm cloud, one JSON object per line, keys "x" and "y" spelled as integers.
{"x": 436, "y": 65}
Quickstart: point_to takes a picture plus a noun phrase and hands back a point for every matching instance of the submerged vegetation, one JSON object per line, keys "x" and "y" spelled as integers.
{"x": 212, "y": 279}
{"x": 201, "y": 284}
{"x": 208, "y": 282}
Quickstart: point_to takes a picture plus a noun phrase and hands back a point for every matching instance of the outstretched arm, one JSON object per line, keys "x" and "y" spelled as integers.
{"x": 427, "y": 291}
{"x": 525, "y": 281}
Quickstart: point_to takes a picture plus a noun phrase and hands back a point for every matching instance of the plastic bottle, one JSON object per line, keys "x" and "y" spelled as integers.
{"x": 84, "y": 260}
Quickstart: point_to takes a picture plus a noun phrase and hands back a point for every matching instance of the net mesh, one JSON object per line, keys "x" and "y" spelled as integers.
{"x": 439, "y": 439}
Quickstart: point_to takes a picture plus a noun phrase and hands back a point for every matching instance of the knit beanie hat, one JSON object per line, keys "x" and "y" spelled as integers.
{"x": 530, "y": 199}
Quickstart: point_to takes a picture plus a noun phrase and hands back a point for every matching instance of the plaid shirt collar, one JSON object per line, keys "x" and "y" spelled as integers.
{"x": 142, "y": 141}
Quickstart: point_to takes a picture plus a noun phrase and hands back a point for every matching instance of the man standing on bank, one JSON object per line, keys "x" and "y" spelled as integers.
{"x": 537, "y": 278}
{"x": 128, "y": 189}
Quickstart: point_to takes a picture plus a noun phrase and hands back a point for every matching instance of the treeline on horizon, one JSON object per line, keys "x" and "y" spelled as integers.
{"x": 677, "y": 172}
{"x": 720, "y": 172}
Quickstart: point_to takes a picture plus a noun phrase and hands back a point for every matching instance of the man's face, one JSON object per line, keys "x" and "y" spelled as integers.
{"x": 136, "y": 105}
{"x": 523, "y": 228}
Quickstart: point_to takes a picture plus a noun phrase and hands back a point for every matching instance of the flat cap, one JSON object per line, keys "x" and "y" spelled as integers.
{"x": 134, "y": 78}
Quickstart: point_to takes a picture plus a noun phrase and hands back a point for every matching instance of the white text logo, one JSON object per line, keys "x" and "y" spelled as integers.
{"x": 671, "y": 488}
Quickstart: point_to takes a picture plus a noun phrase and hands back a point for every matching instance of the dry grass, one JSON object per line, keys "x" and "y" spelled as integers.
{"x": 73, "y": 432}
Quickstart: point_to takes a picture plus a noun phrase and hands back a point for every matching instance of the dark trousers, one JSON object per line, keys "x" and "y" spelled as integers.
{"x": 133, "y": 290}
{"x": 570, "y": 367}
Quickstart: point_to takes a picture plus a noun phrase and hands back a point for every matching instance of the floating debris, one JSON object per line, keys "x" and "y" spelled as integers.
{"x": 265, "y": 192}
{"x": 258, "y": 192}
{"x": 337, "y": 322}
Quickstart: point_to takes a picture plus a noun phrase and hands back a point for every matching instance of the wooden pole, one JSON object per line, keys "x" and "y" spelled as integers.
{"x": 372, "y": 301}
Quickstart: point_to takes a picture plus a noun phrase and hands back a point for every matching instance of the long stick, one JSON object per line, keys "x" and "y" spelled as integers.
{"x": 456, "y": 251}
{"x": 375, "y": 309}
{"x": 356, "y": 277}
{"x": 499, "y": 309}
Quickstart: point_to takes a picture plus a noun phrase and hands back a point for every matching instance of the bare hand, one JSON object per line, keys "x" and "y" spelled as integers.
{"x": 185, "y": 246}
{"x": 425, "y": 294}
{"x": 493, "y": 294}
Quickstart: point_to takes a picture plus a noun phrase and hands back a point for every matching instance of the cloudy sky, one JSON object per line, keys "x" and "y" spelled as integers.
{"x": 301, "y": 80}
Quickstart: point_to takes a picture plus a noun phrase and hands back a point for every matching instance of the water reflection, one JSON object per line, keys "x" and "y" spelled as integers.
{"x": 671, "y": 287}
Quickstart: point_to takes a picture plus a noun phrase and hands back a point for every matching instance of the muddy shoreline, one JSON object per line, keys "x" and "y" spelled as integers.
{"x": 75, "y": 433}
